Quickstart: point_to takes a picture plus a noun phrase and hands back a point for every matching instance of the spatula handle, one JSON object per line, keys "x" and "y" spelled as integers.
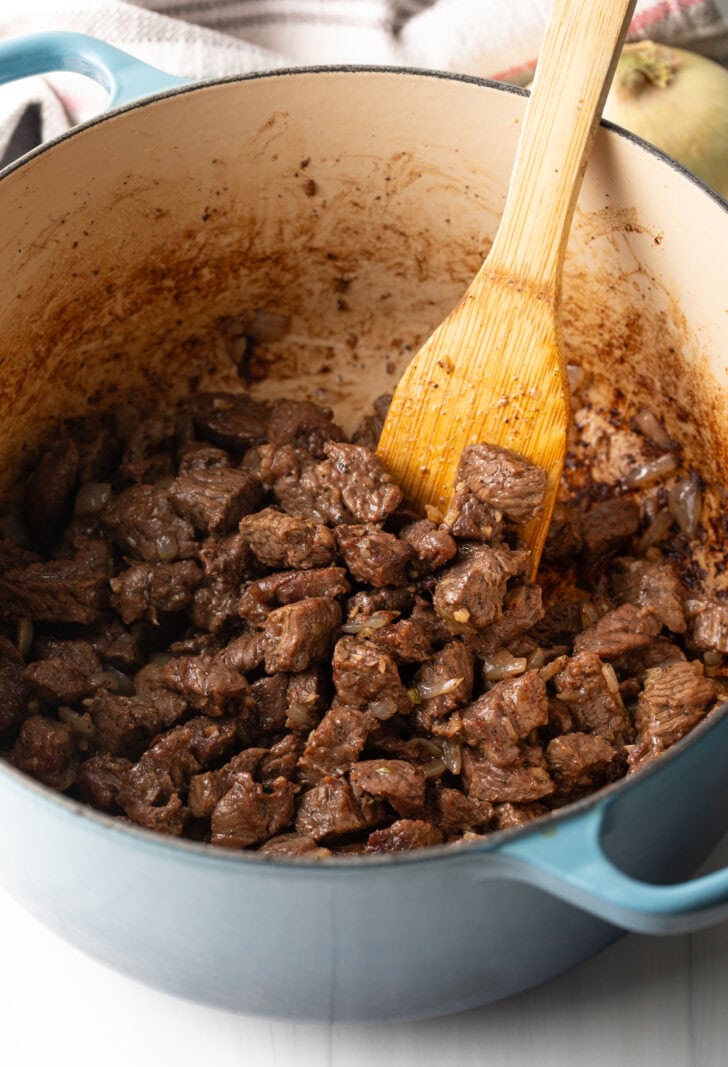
{"x": 574, "y": 72}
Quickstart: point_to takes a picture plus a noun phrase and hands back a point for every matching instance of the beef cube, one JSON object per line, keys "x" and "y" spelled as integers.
{"x": 521, "y": 781}
{"x": 244, "y": 653}
{"x": 227, "y": 564}
{"x": 501, "y": 719}
{"x": 365, "y": 677}
{"x": 561, "y": 622}
{"x": 279, "y": 540}
{"x": 508, "y": 816}
{"x": 336, "y": 743}
{"x": 619, "y": 631}
{"x": 370, "y": 428}
{"x": 206, "y": 790}
{"x": 591, "y": 691}
{"x": 48, "y": 494}
{"x": 652, "y": 585}
{"x": 282, "y": 760}
{"x": 63, "y": 590}
{"x": 207, "y": 683}
{"x": 196, "y": 643}
{"x": 300, "y": 634}
{"x": 709, "y": 628}
{"x": 396, "y": 781}
{"x": 13, "y": 692}
{"x": 504, "y": 480}
{"x": 405, "y": 641}
{"x": 580, "y": 762}
{"x": 145, "y": 589}
{"x": 672, "y": 702}
{"x": 432, "y": 546}
{"x": 374, "y": 556}
{"x": 215, "y": 500}
{"x": 564, "y": 539}
{"x": 199, "y": 456}
{"x": 288, "y": 845}
{"x": 116, "y": 646}
{"x": 331, "y": 809}
{"x": 471, "y": 519}
{"x": 367, "y": 602}
{"x": 659, "y": 653}
{"x": 403, "y": 836}
{"x": 248, "y": 814}
{"x": 67, "y": 677}
{"x": 443, "y": 684}
{"x": 99, "y": 781}
{"x": 286, "y": 587}
{"x": 308, "y": 695}
{"x": 607, "y": 526}
{"x": 142, "y": 522}
{"x": 302, "y": 486}
{"x": 124, "y": 725}
{"x": 148, "y": 453}
{"x": 471, "y": 592}
{"x": 522, "y": 610}
{"x": 458, "y": 813}
{"x": 303, "y": 425}
{"x": 269, "y": 707}
{"x": 365, "y": 483}
{"x": 228, "y": 558}
{"x": 231, "y": 420}
{"x": 47, "y": 750}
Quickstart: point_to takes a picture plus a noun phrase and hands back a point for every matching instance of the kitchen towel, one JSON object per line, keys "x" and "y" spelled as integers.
{"x": 208, "y": 38}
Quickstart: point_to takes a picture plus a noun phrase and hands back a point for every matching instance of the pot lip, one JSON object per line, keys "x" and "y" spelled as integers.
{"x": 355, "y": 69}
{"x": 354, "y": 864}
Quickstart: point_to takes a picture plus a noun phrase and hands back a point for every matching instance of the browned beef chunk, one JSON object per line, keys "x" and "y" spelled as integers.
{"x": 196, "y": 643}
{"x": 288, "y": 586}
{"x": 146, "y": 589}
{"x": 207, "y": 789}
{"x": 282, "y": 760}
{"x": 471, "y": 519}
{"x": 47, "y": 750}
{"x": 659, "y": 653}
{"x": 63, "y": 590}
{"x": 13, "y": 692}
{"x": 279, "y": 540}
{"x": 396, "y": 781}
{"x": 521, "y": 781}
{"x": 709, "y": 628}
{"x": 365, "y": 483}
{"x": 302, "y": 486}
{"x": 367, "y": 602}
{"x": 336, "y": 743}
{"x": 403, "y": 836}
{"x": 228, "y": 558}
{"x": 590, "y": 690}
{"x": 522, "y": 609}
{"x": 673, "y": 700}
{"x": 12, "y": 555}
{"x": 227, "y": 563}
{"x": 308, "y": 694}
{"x": 244, "y": 653}
{"x": 269, "y": 708}
{"x": 564, "y": 538}
{"x": 303, "y": 425}
{"x": 580, "y": 762}
{"x": 331, "y": 809}
{"x": 215, "y": 500}
{"x": 561, "y": 721}
{"x": 198, "y": 456}
{"x": 207, "y": 683}
{"x": 249, "y": 814}
{"x": 457, "y": 813}
{"x": 99, "y": 781}
{"x": 406, "y": 641}
{"x": 619, "y": 631}
{"x": 432, "y": 546}
{"x": 48, "y": 494}
{"x": 124, "y": 725}
{"x": 502, "y": 718}
{"x": 508, "y": 816}
{"x": 300, "y": 634}
{"x": 443, "y": 684}
{"x": 652, "y": 585}
{"x": 147, "y": 455}
{"x": 373, "y": 555}
{"x": 116, "y": 646}
{"x": 471, "y": 592}
{"x": 294, "y": 845}
{"x": 369, "y": 429}
{"x": 365, "y": 677}
{"x": 608, "y": 525}
{"x": 230, "y": 420}
{"x": 142, "y": 522}
{"x": 503, "y": 479}
{"x": 66, "y": 676}
{"x": 561, "y": 622}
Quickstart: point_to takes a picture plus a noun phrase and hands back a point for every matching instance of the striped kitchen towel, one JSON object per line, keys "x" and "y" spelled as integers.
{"x": 208, "y": 38}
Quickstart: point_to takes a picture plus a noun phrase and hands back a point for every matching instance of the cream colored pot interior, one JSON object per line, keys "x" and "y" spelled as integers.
{"x": 359, "y": 204}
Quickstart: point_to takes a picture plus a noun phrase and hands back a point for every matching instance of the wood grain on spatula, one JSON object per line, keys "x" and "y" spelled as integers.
{"x": 494, "y": 370}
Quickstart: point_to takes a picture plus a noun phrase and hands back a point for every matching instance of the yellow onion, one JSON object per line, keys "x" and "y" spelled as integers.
{"x": 678, "y": 101}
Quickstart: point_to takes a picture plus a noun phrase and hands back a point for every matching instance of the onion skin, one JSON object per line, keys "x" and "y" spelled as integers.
{"x": 678, "y": 101}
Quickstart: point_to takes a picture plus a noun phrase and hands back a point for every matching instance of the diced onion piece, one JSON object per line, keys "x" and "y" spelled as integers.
{"x": 652, "y": 470}
{"x": 712, "y": 659}
{"x": 650, "y": 426}
{"x": 113, "y": 679}
{"x": 452, "y": 756}
{"x": 383, "y": 709}
{"x": 24, "y": 637}
{"x": 657, "y": 531}
{"x": 92, "y": 498}
{"x": 268, "y": 326}
{"x": 434, "y": 768}
{"x": 374, "y": 621}
{"x": 536, "y": 659}
{"x": 550, "y": 669}
{"x": 503, "y": 665}
{"x": 302, "y": 716}
{"x": 610, "y": 677}
{"x": 685, "y": 503}
{"x": 576, "y": 376}
{"x": 437, "y": 689}
{"x": 161, "y": 658}
{"x": 80, "y": 724}
{"x": 589, "y": 613}
{"x": 167, "y": 547}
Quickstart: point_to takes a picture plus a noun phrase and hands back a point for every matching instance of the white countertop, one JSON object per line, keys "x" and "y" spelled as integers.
{"x": 647, "y": 1002}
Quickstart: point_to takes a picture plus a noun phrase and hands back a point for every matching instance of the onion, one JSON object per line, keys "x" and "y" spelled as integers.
{"x": 80, "y": 724}
{"x": 92, "y": 498}
{"x": 503, "y": 665}
{"x": 383, "y": 709}
{"x": 589, "y": 613}
{"x": 650, "y": 426}
{"x": 375, "y": 621}
{"x": 167, "y": 548}
{"x": 267, "y": 326}
{"x": 434, "y": 768}
{"x": 678, "y": 101}
{"x": 437, "y": 689}
{"x": 685, "y": 503}
{"x": 24, "y": 637}
{"x": 610, "y": 677}
{"x": 113, "y": 679}
{"x": 302, "y": 716}
{"x": 452, "y": 756}
{"x": 652, "y": 470}
{"x": 657, "y": 531}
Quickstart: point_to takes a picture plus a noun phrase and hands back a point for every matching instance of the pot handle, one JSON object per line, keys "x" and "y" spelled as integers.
{"x": 125, "y": 78}
{"x": 568, "y": 858}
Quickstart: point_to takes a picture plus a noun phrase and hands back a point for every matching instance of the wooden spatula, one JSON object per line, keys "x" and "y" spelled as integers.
{"x": 494, "y": 370}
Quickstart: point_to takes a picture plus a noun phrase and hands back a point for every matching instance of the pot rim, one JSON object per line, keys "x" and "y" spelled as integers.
{"x": 354, "y": 863}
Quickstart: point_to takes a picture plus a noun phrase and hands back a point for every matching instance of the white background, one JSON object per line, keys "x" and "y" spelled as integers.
{"x": 645, "y": 1002}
